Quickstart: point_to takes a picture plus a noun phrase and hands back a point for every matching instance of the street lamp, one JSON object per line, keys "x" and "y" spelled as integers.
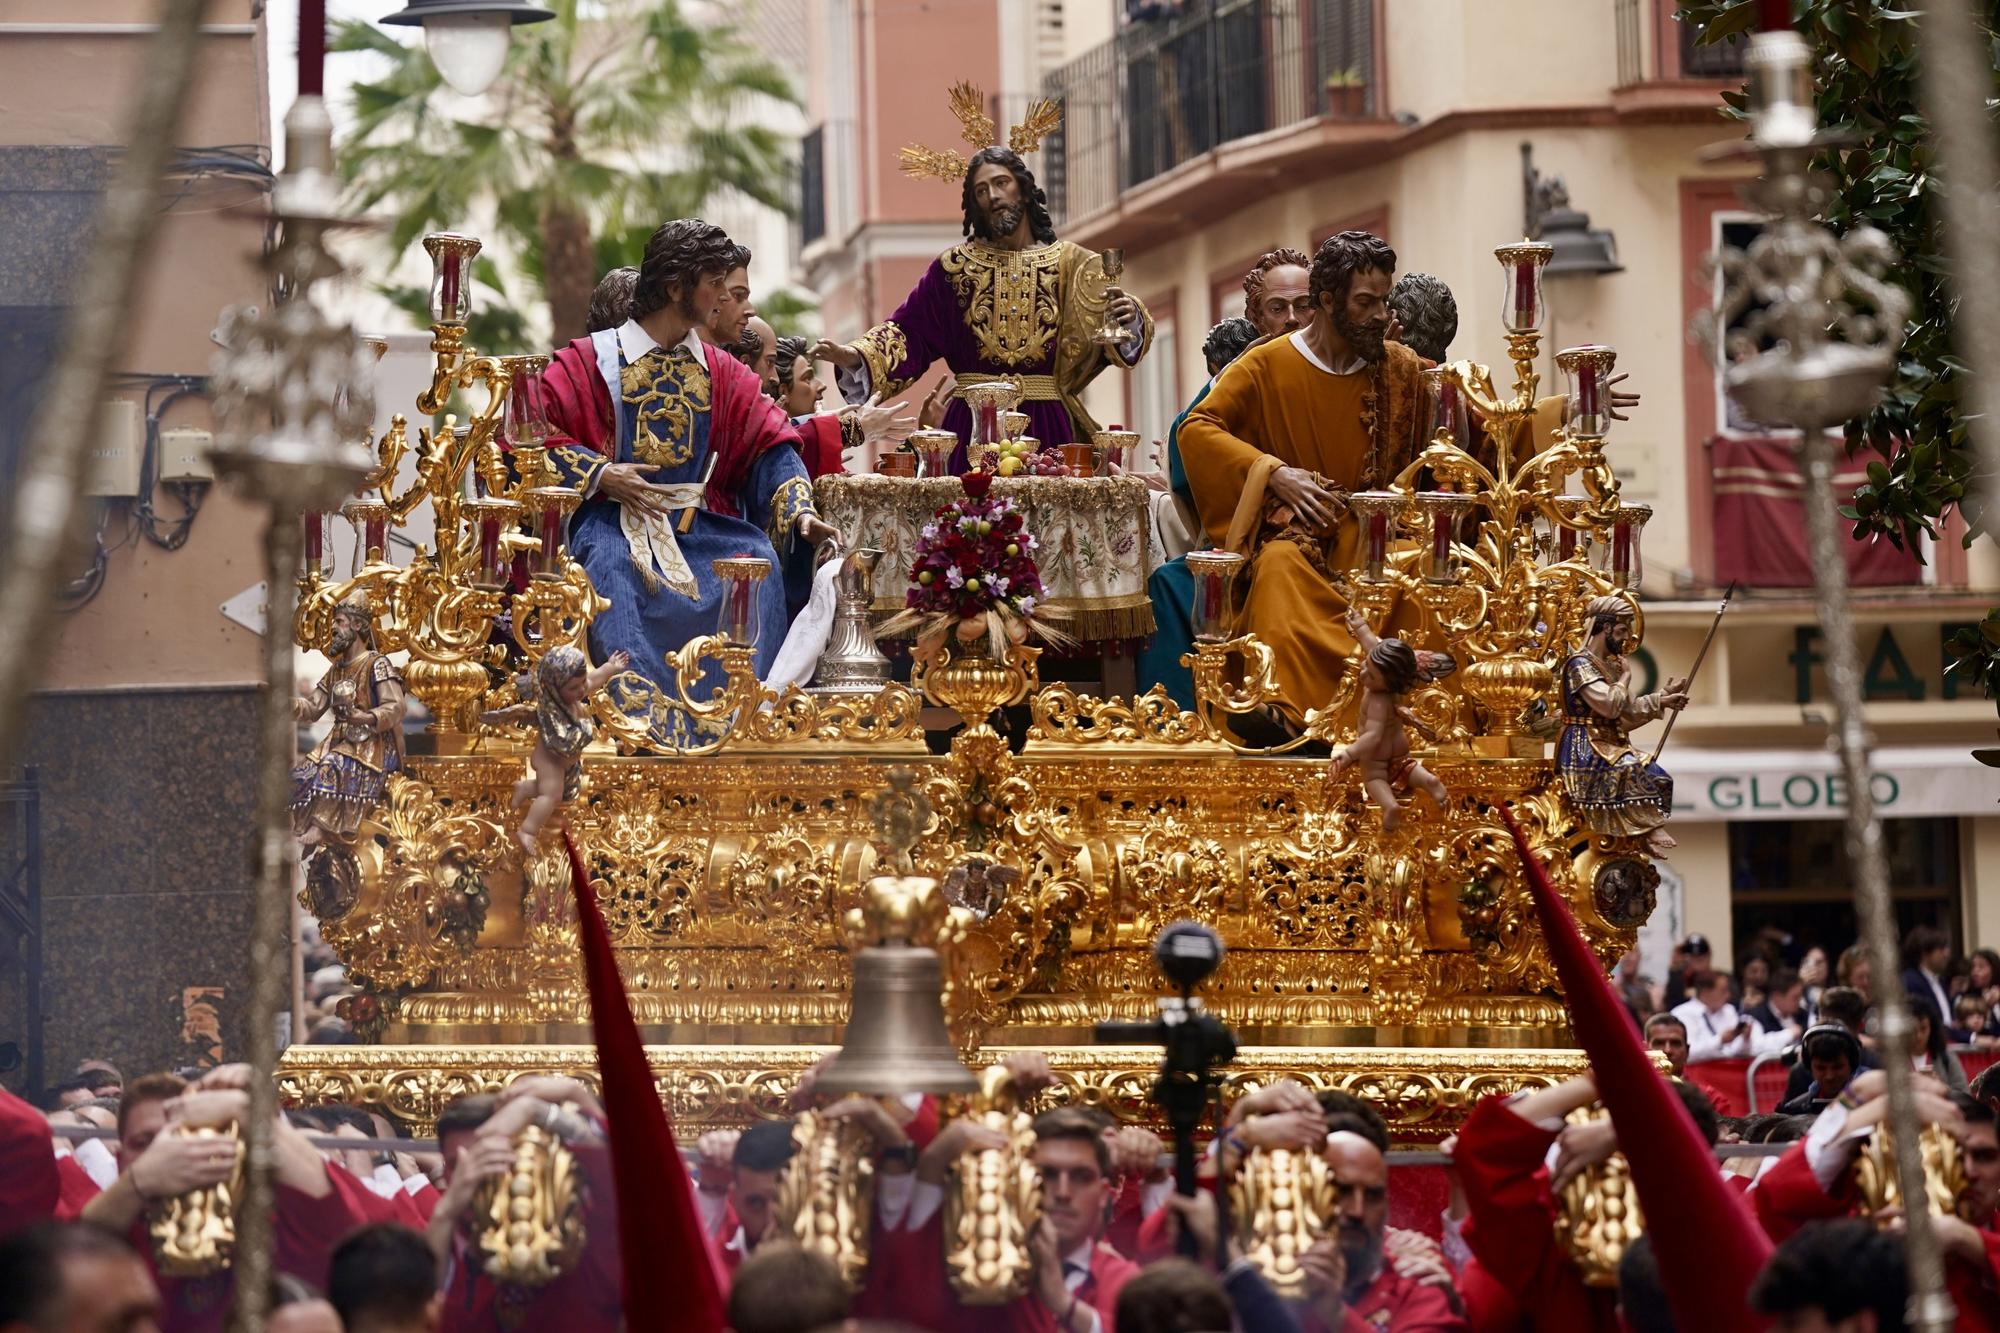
{"x": 467, "y": 39}
{"x": 1580, "y": 250}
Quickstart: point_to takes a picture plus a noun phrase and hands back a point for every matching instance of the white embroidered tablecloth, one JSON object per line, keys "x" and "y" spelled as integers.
{"x": 1093, "y": 533}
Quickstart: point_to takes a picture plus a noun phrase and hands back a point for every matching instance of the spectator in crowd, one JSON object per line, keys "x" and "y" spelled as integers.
{"x": 1982, "y": 977}
{"x": 101, "y": 1077}
{"x": 1668, "y": 1035}
{"x": 1929, "y": 1052}
{"x": 1813, "y": 971}
{"x": 1693, "y": 955}
{"x": 786, "y": 1288}
{"x": 67, "y": 1277}
{"x": 1926, "y": 955}
{"x": 1174, "y": 1296}
{"x": 70, "y": 1092}
{"x": 1779, "y": 1010}
{"x": 1840, "y": 1006}
{"x": 384, "y": 1279}
{"x": 1149, "y": 1302}
{"x": 1969, "y": 1027}
{"x": 1834, "y": 1275}
{"x": 1715, "y": 1030}
{"x": 1830, "y": 1056}
{"x": 1854, "y": 972}
{"x": 1753, "y": 978}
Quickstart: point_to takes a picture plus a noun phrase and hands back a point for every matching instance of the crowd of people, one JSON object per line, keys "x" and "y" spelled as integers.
{"x": 1815, "y": 1014}
{"x": 372, "y": 1239}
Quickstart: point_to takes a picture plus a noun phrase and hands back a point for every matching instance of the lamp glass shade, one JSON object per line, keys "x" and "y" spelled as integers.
{"x": 468, "y": 49}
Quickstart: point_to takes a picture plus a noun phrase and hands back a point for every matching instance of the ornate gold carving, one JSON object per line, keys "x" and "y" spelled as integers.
{"x": 531, "y": 1218}
{"x": 1424, "y": 1093}
{"x": 1597, "y": 1214}
{"x": 665, "y": 388}
{"x": 1944, "y": 1173}
{"x": 1064, "y": 717}
{"x": 1280, "y": 1202}
{"x": 1010, "y": 299}
{"x": 827, "y": 1195}
{"x": 194, "y": 1234}
{"x": 994, "y": 1201}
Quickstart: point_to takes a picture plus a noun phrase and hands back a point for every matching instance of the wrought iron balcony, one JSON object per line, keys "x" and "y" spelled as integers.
{"x": 1170, "y": 89}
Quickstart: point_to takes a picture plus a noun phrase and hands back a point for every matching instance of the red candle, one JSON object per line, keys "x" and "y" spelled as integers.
{"x": 1440, "y": 542}
{"x": 1378, "y": 538}
{"x": 989, "y": 423}
{"x": 1448, "y": 407}
{"x": 739, "y": 610}
{"x": 375, "y": 534}
{"x": 312, "y": 47}
{"x": 489, "y": 550}
{"x": 520, "y": 569}
{"x": 315, "y": 539}
{"x": 1211, "y": 603}
{"x": 1621, "y": 551}
{"x": 1586, "y": 391}
{"x": 1565, "y": 542}
{"x": 1525, "y": 314}
{"x": 448, "y": 284}
{"x": 552, "y": 518}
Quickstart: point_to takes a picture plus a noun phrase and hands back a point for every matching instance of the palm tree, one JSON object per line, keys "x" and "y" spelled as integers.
{"x": 597, "y": 127}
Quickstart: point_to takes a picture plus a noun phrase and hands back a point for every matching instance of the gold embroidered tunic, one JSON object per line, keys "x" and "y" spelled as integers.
{"x": 991, "y": 313}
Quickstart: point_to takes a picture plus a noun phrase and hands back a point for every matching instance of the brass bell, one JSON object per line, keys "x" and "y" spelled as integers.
{"x": 896, "y": 1040}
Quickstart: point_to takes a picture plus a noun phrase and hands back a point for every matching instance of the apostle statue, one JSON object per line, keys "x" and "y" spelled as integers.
{"x": 1612, "y": 789}
{"x": 343, "y": 778}
{"x": 1011, "y": 303}
{"x": 681, "y": 459}
{"x": 1282, "y": 438}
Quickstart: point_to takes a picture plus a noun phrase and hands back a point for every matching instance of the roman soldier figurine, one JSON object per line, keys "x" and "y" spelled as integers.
{"x": 344, "y": 777}
{"x": 1611, "y": 787}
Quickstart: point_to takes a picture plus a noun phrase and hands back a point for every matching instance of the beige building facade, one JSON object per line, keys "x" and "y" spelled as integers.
{"x": 143, "y": 735}
{"x": 1198, "y": 135}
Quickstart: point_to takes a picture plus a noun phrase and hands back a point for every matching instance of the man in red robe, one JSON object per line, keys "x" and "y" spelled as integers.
{"x": 316, "y": 1203}
{"x": 29, "y": 1185}
{"x": 1077, "y": 1277}
{"x": 685, "y": 462}
{"x": 476, "y": 1138}
{"x": 1352, "y": 1286}
{"x": 1815, "y": 1179}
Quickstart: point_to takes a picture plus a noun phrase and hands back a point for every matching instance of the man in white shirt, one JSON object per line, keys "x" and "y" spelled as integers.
{"x": 1715, "y": 1031}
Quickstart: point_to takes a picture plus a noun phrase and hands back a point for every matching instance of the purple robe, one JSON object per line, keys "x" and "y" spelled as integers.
{"x": 987, "y": 313}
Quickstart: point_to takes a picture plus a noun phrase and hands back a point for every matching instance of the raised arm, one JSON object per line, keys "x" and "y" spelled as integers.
{"x": 601, "y": 675}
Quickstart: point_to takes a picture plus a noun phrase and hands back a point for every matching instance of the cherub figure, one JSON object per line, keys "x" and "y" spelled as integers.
{"x": 1389, "y": 668}
{"x": 562, "y": 680}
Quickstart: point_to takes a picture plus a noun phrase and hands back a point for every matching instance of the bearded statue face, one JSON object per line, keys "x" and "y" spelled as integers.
{"x": 346, "y": 630}
{"x": 1362, "y": 320}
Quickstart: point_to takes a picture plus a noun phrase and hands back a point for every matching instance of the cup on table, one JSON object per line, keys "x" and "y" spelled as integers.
{"x": 1080, "y": 459}
{"x": 1115, "y": 444}
{"x": 898, "y": 464}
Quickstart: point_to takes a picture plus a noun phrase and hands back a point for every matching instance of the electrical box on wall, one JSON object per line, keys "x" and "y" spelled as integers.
{"x": 184, "y": 455}
{"x": 115, "y": 457}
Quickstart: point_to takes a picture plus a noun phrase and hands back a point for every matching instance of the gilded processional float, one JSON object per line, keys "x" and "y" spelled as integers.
{"x": 730, "y": 832}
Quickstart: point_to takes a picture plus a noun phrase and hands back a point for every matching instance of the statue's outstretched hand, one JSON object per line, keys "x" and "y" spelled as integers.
{"x": 840, "y": 354}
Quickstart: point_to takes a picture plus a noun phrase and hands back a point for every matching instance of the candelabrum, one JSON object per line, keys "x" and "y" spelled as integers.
{"x": 505, "y": 537}
{"x": 1808, "y": 328}
{"x": 1479, "y": 533}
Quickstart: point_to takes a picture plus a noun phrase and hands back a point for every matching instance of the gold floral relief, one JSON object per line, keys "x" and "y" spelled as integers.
{"x": 1011, "y": 299}
{"x": 665, "y": 390}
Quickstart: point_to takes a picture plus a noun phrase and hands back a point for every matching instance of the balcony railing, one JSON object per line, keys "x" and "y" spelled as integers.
{"x": 1641, "y": 26}
{"x": 1166, "y": 91}
{"x": 812, "y": 186}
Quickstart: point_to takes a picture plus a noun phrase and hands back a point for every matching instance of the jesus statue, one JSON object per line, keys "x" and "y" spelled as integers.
{"x": 1011, "y": 303}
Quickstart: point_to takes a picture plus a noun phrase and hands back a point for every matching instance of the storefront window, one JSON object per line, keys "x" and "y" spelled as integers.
{"x": 1795, "y": 875}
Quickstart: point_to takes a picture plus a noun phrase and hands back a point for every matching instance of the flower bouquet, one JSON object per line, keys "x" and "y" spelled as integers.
{"x": 974, "y": 578}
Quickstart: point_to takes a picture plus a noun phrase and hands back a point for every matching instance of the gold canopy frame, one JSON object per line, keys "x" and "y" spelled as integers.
{"x": 1402, "y": 965}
